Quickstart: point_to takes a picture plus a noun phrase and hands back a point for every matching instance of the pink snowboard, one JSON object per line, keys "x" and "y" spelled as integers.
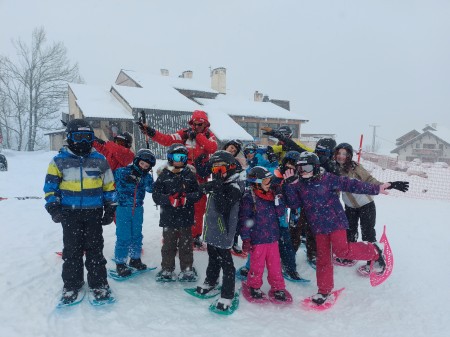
{"x": 309, "y": 305}
{"x": 375, "y": 278}
{"x": 248, "y": 297}
{"x": 275, "y": 301}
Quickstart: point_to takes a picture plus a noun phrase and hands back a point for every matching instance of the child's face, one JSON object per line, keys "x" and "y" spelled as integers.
{"x": 144, "y": 165}
{"x": 231, "y": 149}
{"x": 178, "y": 164}
{"x": 341, "y": 156}
{"x": 265, "y": 184}
{"x": 249, "y": 156}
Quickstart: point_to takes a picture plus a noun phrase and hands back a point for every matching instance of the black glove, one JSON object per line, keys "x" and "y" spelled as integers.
{"x": 56, "y": 213}
{"x": 402, "y": 186}
{"x": 147, "y": 130}
{"x": 191, "y": 134}
{"x": 211, "y": 186}
{"x": 108, "y": 216}
{"x": 271, "y": 156}
{"x": 100, "y": 141}
{"x": 131, "y": 178}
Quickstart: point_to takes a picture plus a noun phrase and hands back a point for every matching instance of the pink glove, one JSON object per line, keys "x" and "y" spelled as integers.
{"x": 246, "y": 245}
{"x": 290, "y": 177}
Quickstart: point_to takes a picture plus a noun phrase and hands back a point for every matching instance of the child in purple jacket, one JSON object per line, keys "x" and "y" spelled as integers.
{"x": 315, "y": 192}
{"x": 259, "y": 214}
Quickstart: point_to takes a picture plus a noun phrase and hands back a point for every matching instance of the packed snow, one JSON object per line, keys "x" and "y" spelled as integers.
{"x": 412, "y": 302}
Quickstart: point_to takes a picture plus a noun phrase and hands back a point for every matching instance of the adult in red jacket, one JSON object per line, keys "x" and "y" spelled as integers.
{"x": 199, "y": 140}
{"x": 117, "y": 153}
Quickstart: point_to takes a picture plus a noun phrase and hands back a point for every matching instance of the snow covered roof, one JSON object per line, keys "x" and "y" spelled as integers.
{"x": 248, "y": 108}
{"x": 98, "y": 102}
{"x": 157, "y": 97}
{"x": 146, "y": 81}
{"x": 224, "y": 127}
{"x": 443, "y": 133}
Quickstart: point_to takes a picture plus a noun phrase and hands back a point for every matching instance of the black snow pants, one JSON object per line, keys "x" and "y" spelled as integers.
{"x": 366, "y": 217}
{"x": 221, "y": 259}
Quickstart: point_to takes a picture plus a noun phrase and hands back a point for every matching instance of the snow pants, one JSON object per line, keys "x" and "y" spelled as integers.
{"x": 262, "y": 255}
{"x": 199, "y": 212}
{"x": 177, "y": 239}
{"x": 128, "y": 233}
{"x": 83, "y": 232}
{"x": 366, "y": 216}
{"x": 221, "y": 259}
{"x": 296, "y": 232}
{"x": 287, "y": 252}
{"x": 336, "y": 242}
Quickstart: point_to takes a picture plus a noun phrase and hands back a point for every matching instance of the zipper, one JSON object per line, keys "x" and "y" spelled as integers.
{"x": 81, "y": 181}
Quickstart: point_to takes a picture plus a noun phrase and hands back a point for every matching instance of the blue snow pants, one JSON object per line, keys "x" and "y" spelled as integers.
{"x": 128, "y": 233}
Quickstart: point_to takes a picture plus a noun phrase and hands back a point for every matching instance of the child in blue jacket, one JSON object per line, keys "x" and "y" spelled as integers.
{"x": 132, "y": 182}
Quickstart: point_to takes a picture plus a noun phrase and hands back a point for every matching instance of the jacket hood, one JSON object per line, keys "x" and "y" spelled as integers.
{"x": 199, "y": 116}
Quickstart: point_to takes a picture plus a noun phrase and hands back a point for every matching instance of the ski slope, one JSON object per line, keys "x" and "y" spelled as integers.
{"x": 413, "y": 302}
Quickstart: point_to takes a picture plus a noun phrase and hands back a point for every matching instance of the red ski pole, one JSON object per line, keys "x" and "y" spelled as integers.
{"x": 360, "y": 148}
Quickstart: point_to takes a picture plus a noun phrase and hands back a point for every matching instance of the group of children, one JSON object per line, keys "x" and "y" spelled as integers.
{"x": 288, "y": 179}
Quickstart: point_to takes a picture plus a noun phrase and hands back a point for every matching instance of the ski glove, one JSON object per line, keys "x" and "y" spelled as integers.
{"x": 56, "y": 213}
{"x": 147, "y": 130}
{"x": 402, "y": 186}
{"x": 177, "y": 200}
{"x": 246, "y": 245}
{"x": 100, "y": 141}
{"x": 108, "y": 216}
{"x": 132, "y": 179}
{"x": 290, "y": 177}
{"x": 211, "y": 186}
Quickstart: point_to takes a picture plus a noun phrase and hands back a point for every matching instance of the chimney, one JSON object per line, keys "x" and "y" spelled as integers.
{"x": 219, "y": 80}
{"x": 265, "y": 98}
{"x": 186, "y": 74}
{"x": 258, "y": 96}
{"x": 164, "y": 72}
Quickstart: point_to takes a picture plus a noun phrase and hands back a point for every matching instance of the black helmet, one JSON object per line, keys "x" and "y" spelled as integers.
{"x": 126, "y": 138}
{"x": 174, "y": 149}
{"x": 285, "y": 131}
{"x": 290, "y": 157}
{"x": 345, "y": 146}
{"x": 250, "y": 147}
{"x": 144, "y": 155}
{"x": 236, "y": 143}
{"x": 223, "y": 156}
{"x": 325, "y": 147}
{"x": 257, "y": 174}
{"x": 80, "y": 136}
{"x": 308, "y": 158}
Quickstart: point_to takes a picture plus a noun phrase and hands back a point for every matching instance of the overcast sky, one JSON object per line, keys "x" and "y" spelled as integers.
{"x": 343, "y": 64}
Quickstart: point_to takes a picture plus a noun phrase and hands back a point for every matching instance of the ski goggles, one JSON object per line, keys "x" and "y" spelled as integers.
{"x": 222, "y": 169}
{"x": 323, "y": 152}
{"x": 264, "y": 181}
{"x": 246, "y": 152}
{"x": 81, "y": 136}
{"x": 308, "y": 168}
{"x": 178, "y": 157}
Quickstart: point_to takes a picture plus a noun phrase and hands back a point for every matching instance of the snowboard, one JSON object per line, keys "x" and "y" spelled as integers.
{"x": 309, "y": 305}
{"x": 78, "y": 300}
{"x": 212, "y": 293}
{"x": 248, "y": 296}
{"x": 134, "y": 272}
{"x": 239, "y": 276}
{"x": 278, "y": 302}
{"x": 363, "y": 271}
{"x": 231, "y": 309}
{"x": 302, "y": 280}
{"x": 98, "y": 303}
{"x": 376, "y": 278}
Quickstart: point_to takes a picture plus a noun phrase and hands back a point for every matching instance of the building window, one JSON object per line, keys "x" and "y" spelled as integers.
{"x": 417, "y": 145}
{"x": 441, "y": 146}
{"x": 251, "y": 128}
{"x": 429, "y": 146}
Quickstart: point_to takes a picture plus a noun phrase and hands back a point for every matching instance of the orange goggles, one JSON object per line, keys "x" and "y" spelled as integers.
{"x": 221, "y": 169}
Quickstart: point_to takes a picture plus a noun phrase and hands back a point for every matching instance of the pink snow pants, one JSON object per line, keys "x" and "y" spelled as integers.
{"x": 260, "y": 256}
{"x": 336, "y": 242}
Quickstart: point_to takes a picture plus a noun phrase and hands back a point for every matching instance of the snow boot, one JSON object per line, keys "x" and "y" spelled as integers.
{"x": 123, "y": 270}
{"x": 137, "y": 264}
{"x": 256, "y": 292}
{"x": 69, "y": 296}
{"x": 237, "y": 249}
{"x": 280, "y": 295}
{"x": 223, "y": 304}
{"x": 102, "y": 293}
{"x": 294, "y": 275}
{"x": 187, "y": 275}
{"x": 165, "y": 275}
{"x": 244, "y": 272}
{"x": 380, "y": 265}
{"x": 344, "y": 262}
{"x": 319, "y": 298}
{"x": 205, "y": 288}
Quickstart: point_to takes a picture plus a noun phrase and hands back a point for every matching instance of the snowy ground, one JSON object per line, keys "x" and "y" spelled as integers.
{"x": 413, "y": 302}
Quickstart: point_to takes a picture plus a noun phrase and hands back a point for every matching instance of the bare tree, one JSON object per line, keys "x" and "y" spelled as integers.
{"x": 34, "y": 87}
